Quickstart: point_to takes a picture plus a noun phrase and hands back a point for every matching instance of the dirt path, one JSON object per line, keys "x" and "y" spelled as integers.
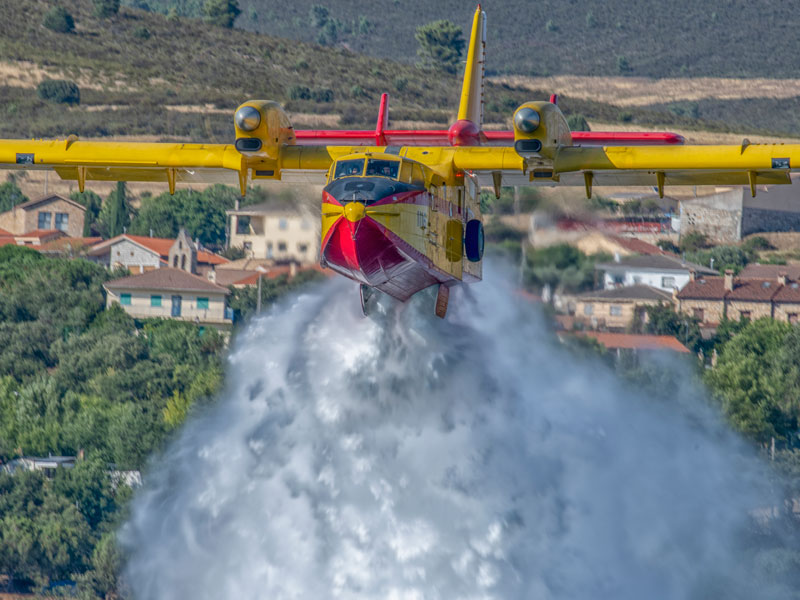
{"x": 640, "y": 91}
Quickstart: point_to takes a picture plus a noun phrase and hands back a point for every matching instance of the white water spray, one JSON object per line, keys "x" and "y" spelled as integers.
{"x": 405, "y": 457}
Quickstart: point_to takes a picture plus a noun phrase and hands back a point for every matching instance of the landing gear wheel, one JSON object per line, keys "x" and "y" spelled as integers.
{"x": 442, "y": 298}
{"x": 367, "y": 298}
{"x": 473, "y": 240}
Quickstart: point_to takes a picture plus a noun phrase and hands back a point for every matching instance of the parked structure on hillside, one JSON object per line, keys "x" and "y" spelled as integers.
{"x": 50, "y": 212}
{"x": 711, "y": 299}
{"x": 173, "y": 294}
{"x": 663, "y": 271}
{"x": 265, "y": 232}
{"x": 139, "y": 253}
{"x": 730, "y": 214}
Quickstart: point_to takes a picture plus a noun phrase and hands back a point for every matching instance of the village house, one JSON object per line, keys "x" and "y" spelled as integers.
{"x": 283, "y": 235}
{"x": 663, "y": 271}
{"x": 615, "y": 309}
{"x": 140, "y": 254}
{"x": 171, "y": 294}
{"x": 51, "y": 212}
{"x": 712, "y": 299}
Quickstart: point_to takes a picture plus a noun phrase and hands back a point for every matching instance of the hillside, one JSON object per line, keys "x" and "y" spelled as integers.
{"x": 683, "y": 38}
{"x": 145, "y": 74}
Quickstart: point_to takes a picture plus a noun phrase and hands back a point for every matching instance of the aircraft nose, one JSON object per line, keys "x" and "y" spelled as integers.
{"x": 354, "y": 211}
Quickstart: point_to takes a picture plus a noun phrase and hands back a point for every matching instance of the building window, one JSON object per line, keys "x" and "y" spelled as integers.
{"x": 242, "y": 225}
{"x": 281, "y": 246}
{"x": 792, "y": 318}
{"x": 667, "y": 282}
{"x": 44, "y": 220}
{"x": 744, "y": 314}
{"x": 183, "y": 262}
{"x": 588, "y": 309}
{"x": 637, "y": 279}
{"x": 155, "y": 300}
{"x": 125, "y": 299}
{"x": 62, "y": 221}
{"x": 269, "y": 249}
{"x": 247, "y": 247}
{"x": 283, "y": 224}
{"x": 618, "y": 279}
{"x": 302, "y": 248}
{"x": 616, "y": 310}
{"x": 698, "y": 314}
{"x": 202, "y": 303}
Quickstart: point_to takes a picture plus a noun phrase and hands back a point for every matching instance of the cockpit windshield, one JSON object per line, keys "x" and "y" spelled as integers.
{"x": 345, "y": 168}
{"x": 384, "y": 168}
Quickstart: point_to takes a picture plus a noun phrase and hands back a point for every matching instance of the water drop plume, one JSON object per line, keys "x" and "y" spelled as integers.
{"x": 405, "y": 457}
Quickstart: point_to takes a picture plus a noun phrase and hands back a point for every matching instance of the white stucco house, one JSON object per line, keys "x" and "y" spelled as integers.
{"x": 660, "y": 271}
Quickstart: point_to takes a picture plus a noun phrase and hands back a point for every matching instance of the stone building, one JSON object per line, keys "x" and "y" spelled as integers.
{"x": 616, "y": 308}
{"x": 728, "y": 215}
{"x": 712, "y": 299}
{"x": 48, "y": 213}
{"x": 140, "y": 254}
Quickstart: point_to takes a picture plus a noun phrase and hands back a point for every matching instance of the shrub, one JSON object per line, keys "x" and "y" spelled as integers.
{"x": 578, "y": 123}
{"x": 60, "y": 91}
{"x": 221, "y": 12}
{"x": 550, "y": 26}
{"x": 299, "y": 92}
{"x": 623, "y": 66}
{"x": 400, "y": 83}
{"x": 143, "y": 33}
{"x": 105, "y": 8}
{"x": 59, "y": 20}
{"x": 625, "y": 116}
{"x": 356, "y": 91}
{"x": 322, "y": 95}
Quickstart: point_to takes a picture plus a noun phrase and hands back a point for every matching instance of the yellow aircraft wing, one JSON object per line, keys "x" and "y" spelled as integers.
{"x": 170, "y": 163}
{"x": 656, "y": 166}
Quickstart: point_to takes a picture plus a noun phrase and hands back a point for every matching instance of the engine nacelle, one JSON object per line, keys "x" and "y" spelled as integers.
{"x": 540, "y": 128}
{"x": 262, "y": 127}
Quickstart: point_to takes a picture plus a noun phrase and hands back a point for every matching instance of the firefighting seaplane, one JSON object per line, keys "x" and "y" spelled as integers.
{"x": 400, "y": 209}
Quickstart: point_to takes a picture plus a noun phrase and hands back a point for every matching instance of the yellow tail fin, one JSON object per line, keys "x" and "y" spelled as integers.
{"x": 471, "y": 107}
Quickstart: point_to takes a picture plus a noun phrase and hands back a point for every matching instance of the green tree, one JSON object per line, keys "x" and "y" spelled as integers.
{"x": 105, "y": 8}
{"x": 693, "y": 241}
{"x": 59, "y": 20}
{"x": 757, "y": 380}
{"x": 662, "y": 319}
{"x": 221, "y": 12}
{"x": 10, "y": 196}
{"x": 318, "y": 15}
{"x": 441, "y": 44}
{"x": 93, "y": 204}
{"x": 115, "y": 216}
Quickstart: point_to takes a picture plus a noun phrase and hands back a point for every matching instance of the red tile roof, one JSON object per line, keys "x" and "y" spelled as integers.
{"x": 637, "y": 245}
{"x": 67, "y": 243}
{"x": 788, "y": 293}
{"x": 756, "y": 290}
{"x": 276, "y": 272}
{"x": 612, "y": 341}
{"x": 161, "y": 247}
{"x": 4, "y": 233}
{"x": 703, "y": 288}
{"x": 42, "y": 233}
{"x": 759, "y": 271}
